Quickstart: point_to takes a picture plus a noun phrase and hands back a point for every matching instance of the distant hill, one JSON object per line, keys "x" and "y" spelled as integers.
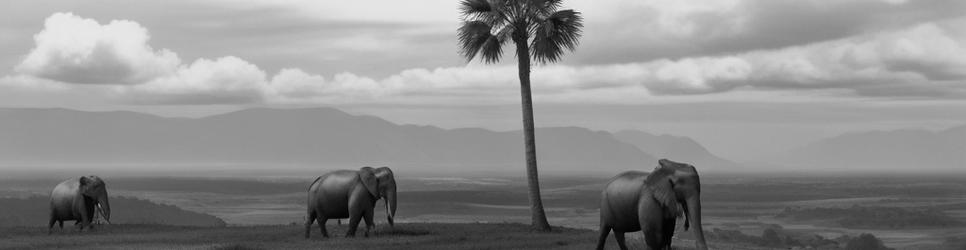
{"x": 295, "y": 136}
{"x": 678, "y": 148}
{"x": 908, "y": 149}
{"x": 33, "y": 211}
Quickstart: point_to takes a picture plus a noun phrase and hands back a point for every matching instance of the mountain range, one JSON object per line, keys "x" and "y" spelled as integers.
{"x": 675, "y": 147}
{"x": 326, "y": 136}
{"x": 905, "y": 149}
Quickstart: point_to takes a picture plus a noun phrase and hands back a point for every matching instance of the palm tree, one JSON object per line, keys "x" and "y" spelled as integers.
{"x": 540, "y": 31}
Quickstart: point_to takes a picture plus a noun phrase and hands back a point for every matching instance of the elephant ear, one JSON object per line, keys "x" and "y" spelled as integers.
{"x": 663, "y": 193}
{"x": 368, "y": 177}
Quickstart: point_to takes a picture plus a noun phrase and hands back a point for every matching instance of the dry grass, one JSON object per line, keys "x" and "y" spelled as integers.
{"x": 402, "y": 236}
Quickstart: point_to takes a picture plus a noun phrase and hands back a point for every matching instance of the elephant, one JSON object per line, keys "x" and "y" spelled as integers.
{"x": 651, "y": 203}
{"x": 76, "y": 199}
{"x": 350, "y": 194}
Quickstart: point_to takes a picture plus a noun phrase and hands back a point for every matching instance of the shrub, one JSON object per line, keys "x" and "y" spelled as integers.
{"x": 865, "y": 242}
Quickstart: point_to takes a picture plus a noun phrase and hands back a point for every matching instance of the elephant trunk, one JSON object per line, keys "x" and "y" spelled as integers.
{"x": 105, "y": 206}
{"x": 694, "y": 214}
{"x": 391, "y": 205}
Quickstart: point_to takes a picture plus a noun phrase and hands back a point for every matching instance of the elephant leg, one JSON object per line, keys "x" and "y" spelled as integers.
{"x": 353, "y": 224}
{"x": 619, "y": 236}
{"x": 669, "y": 234}
{"x": 308, "y": 223}
{"x": 84, "y": 221}
{"x": 653, "y": 237}
{"x": 50, "y": 225}
{"x": 322, "y": 221}
{"x": 604, "y": 231}
{"x": 61, "y": 224}
{"x": 369, "y": 224}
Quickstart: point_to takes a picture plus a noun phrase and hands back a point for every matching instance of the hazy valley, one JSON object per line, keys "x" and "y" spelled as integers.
{"x": 734, "y": 204}
{"x": 252, "y": 167}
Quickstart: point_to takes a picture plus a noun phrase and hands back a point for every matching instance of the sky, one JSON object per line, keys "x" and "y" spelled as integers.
{"x": 746, "y": 78}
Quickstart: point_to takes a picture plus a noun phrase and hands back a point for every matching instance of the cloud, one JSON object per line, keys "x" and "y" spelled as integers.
{"x": 696, "y": 75}
{"x": 294, "y": 85}
{"x": 441, "y": 85}
{"x": 26, "y": 82}
{"x": 223, "y": 80}
{"x": 329, "y": 37}
{"x": 78, "y": 50}
{"x": 921, "y": 61}
{"x": 644, "y": 30}
{"x": 429, "y": 11}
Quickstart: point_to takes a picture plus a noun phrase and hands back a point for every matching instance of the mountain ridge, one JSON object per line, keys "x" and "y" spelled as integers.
{"x": 675, "y": 147}
{"x": 303, "y": 136}
{"x": 885, "y": 149}
{"x": 309, "y": 136}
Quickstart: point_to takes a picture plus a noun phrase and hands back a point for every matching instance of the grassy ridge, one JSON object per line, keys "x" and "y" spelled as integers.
{"x": 403, "y": 236}
{"x": 35, "y": 211}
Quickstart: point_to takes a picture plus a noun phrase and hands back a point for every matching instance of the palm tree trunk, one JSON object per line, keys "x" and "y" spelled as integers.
{"x": 538, "y": 218}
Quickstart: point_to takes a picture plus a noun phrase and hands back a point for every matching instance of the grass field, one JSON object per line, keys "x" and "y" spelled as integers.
{"x": 402, "y": 236}
{"x": 483, "y": 208}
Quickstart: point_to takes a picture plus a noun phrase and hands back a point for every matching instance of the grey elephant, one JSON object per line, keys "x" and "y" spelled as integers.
{"x": 350, "y": 194}
{"x": 636, "y": 201}
{"x": 76, "y": 199}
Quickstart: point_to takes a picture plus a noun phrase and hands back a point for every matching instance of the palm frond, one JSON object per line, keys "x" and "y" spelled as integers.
{"x": 493, "y": 12}
{"x": 475, "y": 37}
{"x": 514, "y": 10}
{"x": 553, "y": 4}
{"x": 492, "y": 49}
{"x": 543, "y": 8}
{"x": 557, "y": 32}
{"x": 474, "y": 8}
{"x": 505, "y": 32}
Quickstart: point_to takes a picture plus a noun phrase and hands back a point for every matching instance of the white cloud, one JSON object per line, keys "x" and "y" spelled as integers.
{"x": 696, "y": 75}
{"x": 294, "y": 85}
{"x": 926, "y": 60}
{"x": 644, "y": 30}
{"x": 78, "y": 50}
{"x": 408, "y": 86}
{"x": 391, "y": 11}
{"x": 920, "y": 61}
{"x": 224, "y": 80}
{"x": 925, "y": 49}
{"x": 26, "y": 82}
{"x": 473, "y": 84}
{"x": 685, "y": 19}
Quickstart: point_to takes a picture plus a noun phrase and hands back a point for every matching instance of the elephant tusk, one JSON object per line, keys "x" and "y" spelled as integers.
{"x": 101, "y": 208}
{"x": 387, "y": 210}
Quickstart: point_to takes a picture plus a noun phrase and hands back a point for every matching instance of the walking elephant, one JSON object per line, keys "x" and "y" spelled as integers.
{"x": 636, "y": 201}
{"x": 76, "y": 199}
{"x": 350, "y": 194}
